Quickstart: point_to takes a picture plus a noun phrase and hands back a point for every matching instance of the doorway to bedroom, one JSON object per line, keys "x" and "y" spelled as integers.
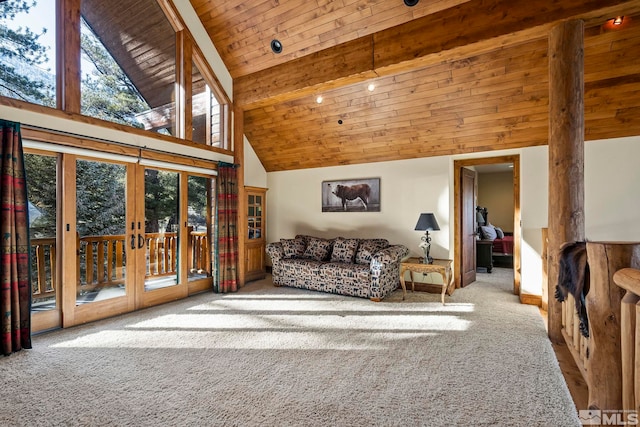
{"x": 496, "y": 191}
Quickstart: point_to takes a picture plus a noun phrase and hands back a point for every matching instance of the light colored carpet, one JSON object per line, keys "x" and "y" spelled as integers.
{"x": 286, "y": 357}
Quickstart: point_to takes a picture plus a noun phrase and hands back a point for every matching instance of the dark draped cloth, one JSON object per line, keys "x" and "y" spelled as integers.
{"x": 226, "y": 279}
{"x": 15, "y": 291}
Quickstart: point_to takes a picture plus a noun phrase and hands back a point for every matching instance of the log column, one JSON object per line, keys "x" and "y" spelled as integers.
{"x": 566, "y": 152}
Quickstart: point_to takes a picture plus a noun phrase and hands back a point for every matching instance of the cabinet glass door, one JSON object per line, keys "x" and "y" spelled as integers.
{"x": 254, "y": 216}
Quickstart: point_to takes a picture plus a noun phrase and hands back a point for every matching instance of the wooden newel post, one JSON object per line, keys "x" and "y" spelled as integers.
{"x": 566, "y": 153}
{"x": 603, "y": 302}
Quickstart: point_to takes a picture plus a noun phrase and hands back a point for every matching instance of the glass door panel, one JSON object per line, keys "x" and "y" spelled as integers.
{"x": 198, "y": 249}
{"x": 41, "y": 173}
{"x": 161, "y": 209}
{"x": 101, "y": 228}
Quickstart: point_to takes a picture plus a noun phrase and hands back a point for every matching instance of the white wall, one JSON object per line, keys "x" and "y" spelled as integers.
{"x": 409, "y": 187}
{"x": 612, "y": 190}
{"x": 495, "y": 192}
{"x": 254, "y": 173}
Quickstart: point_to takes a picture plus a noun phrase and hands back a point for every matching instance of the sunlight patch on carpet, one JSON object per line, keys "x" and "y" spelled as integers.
{"x": 251, "y": 340}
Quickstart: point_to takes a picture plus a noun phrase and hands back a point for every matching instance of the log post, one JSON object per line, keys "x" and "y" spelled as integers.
{"x": 628, "y": 348}
{"x": 566, "y": 153}
{"x": 603, "y": 302}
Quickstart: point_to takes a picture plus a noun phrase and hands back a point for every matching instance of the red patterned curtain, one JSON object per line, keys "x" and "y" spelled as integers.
{"x": 227, "y": 229}
{"x": 15, "y": 292}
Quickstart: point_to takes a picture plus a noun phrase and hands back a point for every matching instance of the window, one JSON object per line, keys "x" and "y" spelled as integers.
{"x": 128, "y": 64}
{"x": 27, "y": 51}
{"x": 205, "y": 112}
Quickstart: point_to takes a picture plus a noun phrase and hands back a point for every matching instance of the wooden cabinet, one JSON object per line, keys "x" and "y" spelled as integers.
{"x": 484, "y": 254}
{"x": 255, "y": 241}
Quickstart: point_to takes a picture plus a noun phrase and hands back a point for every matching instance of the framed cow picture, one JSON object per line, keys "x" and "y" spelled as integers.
{"x": 351, "y": 195}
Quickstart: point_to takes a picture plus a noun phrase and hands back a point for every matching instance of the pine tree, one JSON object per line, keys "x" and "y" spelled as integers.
{"x": 107, "y": 92}
{"x": 21, "y": 55}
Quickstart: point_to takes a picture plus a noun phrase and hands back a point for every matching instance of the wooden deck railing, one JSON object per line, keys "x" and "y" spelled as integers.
{"x": 609, "y": 359}
{"x": 43, "y": 266}
{"x": 629, "y": 280}
{"x": 102, "y": 260}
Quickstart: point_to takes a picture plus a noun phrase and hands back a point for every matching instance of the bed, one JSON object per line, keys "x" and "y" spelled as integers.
{"x": 502, "y": 242}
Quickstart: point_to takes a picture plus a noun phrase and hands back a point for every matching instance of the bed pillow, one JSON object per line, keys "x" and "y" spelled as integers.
{"x": 318, "y": 249}
{"x": 499, "y": 233}
{"x": 344, "y": 250}
{"x": 488, "y": 232}
{"x": 293, "y": 248}
{"x": 367, "y": 248}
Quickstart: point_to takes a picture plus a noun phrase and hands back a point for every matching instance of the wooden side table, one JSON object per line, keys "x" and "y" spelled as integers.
{"x": 440, "y": 266}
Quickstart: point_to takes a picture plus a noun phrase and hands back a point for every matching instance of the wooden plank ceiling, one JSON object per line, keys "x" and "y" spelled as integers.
{"x": 450, "y": 76}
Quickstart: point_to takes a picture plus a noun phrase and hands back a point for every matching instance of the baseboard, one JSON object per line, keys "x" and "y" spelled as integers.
{"x": 530, "y": 299}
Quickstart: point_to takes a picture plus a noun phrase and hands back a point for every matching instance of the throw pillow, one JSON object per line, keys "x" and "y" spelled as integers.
{"x": 499, "y": 233}
{"x": 344, "y": 250}
{"x": 367, "y": 248}
{"x": 488, "y": 232}
{"x": 318, "y": 249}
{"x": 293, "y": 248}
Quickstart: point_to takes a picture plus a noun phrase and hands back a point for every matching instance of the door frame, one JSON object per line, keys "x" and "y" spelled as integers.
{"x": 457, "y": 214}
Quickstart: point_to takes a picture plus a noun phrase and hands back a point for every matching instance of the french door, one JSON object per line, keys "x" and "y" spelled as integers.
{"x": 111, "y": 235}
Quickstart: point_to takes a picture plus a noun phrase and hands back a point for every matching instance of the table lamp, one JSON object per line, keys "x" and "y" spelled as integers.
{"x": 426, "y": 222}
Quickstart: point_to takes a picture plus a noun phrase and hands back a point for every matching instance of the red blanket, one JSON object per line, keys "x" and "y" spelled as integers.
{"x": 504, "y": 245}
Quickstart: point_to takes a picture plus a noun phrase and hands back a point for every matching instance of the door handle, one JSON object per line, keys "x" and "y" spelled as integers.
{"x": 133, "y": 241}
{"x": 140, "y": 241}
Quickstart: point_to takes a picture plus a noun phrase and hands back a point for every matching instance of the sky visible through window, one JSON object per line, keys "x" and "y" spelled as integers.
{"x": 42, "y": 15}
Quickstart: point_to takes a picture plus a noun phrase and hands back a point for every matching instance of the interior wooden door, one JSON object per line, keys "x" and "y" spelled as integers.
{"x": 467, "y": 231}
{"x": 255, "y": 242}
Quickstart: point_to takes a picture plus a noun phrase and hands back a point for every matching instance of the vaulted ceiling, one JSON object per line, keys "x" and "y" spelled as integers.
{"x": 450, "y": 76}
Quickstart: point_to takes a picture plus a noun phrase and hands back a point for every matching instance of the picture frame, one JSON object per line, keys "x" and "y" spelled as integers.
{"x": 351, "y": 195}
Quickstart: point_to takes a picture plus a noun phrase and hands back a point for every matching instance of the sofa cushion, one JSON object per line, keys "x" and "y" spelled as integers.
{"x": 293, "y": 248}
{"x": 367, "y": 248}
{"x": 318, "y": 249}
{"x": 344, "y": 250}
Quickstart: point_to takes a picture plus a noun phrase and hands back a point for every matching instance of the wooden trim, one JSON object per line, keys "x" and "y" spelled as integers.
{"x": 40, "y": 109}
{"x": 196, "y": 56}
{"x": 113, "y": 148}
{"x": 238, "y": 142}
{"x": 531, "y": 299}
{"x": 545, "y": 277}
{"x": 180, "y": 88}
{"x": 67, "y": 238}
{"x": 172, "y": 15}
{"x": 68, "y": 55}
{"x": 457, "y": 215}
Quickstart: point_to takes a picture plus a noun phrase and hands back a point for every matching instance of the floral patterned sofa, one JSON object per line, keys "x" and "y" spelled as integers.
{"x": 367, "y": 268}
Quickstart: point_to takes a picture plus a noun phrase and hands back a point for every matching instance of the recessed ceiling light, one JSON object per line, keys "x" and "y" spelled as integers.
{"x": 276, "y": 46}
{"x": 319, "y": 99}
{"x": 618, "y": 20}
{"x": 371, "y": 87}
{"x": 411, "y": 3}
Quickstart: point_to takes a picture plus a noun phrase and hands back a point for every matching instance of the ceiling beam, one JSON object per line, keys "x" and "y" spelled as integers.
{"x": 472, "y": 28}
